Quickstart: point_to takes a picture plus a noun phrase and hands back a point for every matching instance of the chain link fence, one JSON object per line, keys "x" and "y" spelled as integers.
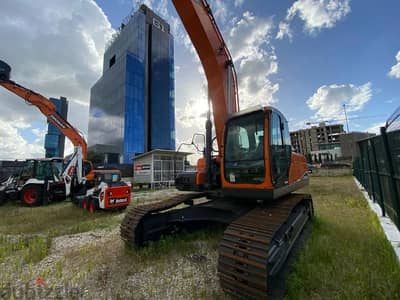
{"x": 378, "y": 168}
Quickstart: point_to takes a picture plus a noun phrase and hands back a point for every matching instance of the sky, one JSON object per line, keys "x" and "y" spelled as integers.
{"x": 306, "y": 57}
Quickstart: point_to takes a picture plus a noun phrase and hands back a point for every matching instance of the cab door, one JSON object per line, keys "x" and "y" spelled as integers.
{"x": 280, "y": 149}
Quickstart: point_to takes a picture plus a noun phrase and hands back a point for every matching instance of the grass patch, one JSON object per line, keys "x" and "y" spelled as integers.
{"x": 53, "y": 220}
{"x": 31, "y": 249}
{"x": 180, "y": 244}
{"x": 347, "y": 255}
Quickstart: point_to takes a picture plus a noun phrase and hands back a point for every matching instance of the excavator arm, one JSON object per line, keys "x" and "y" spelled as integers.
{"x": 45, "y": 106}
{"x": 214, "y": 55}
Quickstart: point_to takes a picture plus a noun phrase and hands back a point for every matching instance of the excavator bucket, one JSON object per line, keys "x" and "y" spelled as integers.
{"x": 5, "y": 71}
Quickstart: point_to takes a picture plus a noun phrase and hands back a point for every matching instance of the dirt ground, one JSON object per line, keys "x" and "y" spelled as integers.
{"x": 61, "y": 252}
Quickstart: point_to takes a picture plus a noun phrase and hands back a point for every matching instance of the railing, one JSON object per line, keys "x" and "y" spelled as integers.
{"x": 378, "y": 168}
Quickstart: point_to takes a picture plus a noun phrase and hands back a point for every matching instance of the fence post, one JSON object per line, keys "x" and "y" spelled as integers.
{"x": 370, "y": 188}
{"x": 378, "y": 177}
{"x": 393, "y": 185}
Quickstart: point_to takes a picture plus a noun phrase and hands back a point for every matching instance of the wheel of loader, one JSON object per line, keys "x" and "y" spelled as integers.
{"x": 92, "y": 205}
{"x": 85, "y": 203}
{"x": 32, "y": 195}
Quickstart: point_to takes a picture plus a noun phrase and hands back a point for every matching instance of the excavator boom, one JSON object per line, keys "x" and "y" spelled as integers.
{"x": 44, "y": 105}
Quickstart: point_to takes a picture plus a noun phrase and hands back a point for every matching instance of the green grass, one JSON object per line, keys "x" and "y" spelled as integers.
{"x": 347, "y": 255}
{"x": 30, "y": 249}
{"x": 53, "y": 220}
{"x": 181, "y": 244}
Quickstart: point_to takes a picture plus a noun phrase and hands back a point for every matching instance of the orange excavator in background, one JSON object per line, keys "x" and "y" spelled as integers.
{"x": 247, "y": 184}
{"x": 42, "y": 180}
{"x": 29, "y": 184}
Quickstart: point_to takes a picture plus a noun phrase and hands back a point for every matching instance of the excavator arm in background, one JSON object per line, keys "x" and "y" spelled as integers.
{"x": 45, "y": 106}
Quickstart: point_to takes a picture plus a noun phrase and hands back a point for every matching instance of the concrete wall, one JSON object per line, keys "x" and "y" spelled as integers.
{"x": 332, "y": 172}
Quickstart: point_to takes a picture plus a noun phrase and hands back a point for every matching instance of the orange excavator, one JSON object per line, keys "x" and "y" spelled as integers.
{"x": 28, "y": 185}
{"x": 247, "y": 185}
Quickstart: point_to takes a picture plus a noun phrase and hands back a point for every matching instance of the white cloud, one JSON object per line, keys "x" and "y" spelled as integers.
{"x": 375, "y": 128}
{"x": 14, "y": 146}
{"x": 395, "y": 70}
{"x": 55, "y": 48}
{"x": 194, "y": 112}
{"x": 316, "y": 15}
{"x": 284, "y": 30}
{"x": 39, "y": 133}
{"x": 329, "y": 99}
{"x": 220, "y": 10}
{"x": 21, "y": 124}
{"x": 254, "y": 59}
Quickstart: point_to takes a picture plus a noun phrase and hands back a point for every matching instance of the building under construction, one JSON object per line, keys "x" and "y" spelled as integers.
{"x": 316, "y": 138}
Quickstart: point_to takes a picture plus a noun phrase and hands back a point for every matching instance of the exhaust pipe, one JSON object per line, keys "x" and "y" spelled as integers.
{"x": 5, "y": 71}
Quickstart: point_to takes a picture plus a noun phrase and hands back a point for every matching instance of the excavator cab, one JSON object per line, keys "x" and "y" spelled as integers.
{"x": 257, "y": 162}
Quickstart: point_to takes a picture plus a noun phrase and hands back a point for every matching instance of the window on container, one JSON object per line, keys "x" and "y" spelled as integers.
{"x": 112, "y": 61}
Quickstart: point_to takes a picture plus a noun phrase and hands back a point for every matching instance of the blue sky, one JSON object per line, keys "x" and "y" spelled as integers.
{"x": 359, "y": 48}
{"x": 305, "y": 57}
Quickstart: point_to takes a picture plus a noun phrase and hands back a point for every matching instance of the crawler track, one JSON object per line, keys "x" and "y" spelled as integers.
{"x": 255, "y": 245}
{"x": 130, "y": 226}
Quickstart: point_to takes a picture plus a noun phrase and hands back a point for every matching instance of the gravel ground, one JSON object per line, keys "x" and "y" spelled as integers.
{"x": 97, "y": 265}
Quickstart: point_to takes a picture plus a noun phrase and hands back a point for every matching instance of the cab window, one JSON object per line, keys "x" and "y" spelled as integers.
{"x": 280, "y": 149}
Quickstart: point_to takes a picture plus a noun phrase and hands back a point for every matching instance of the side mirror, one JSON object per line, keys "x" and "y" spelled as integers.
{"x": 199, "y": 141}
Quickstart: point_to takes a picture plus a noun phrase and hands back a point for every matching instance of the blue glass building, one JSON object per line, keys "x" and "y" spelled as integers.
{"x": 132, "y": 105}
{"x": 54, "y": 140}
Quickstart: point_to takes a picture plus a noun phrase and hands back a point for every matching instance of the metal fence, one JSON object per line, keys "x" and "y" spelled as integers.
{"x": 378, "y": 170}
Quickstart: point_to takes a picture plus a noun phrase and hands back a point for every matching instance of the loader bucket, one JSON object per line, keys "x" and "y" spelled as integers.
{"x": 5, "y": 71}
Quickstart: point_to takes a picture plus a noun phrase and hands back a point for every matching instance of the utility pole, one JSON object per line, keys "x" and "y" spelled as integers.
{"x": 345, "y": 115}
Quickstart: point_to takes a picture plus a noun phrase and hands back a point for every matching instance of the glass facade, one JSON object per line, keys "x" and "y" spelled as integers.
{"x": 132, "y": 104}
{"x": 54, "y": 140}
{"x": 161, "y": 89}
{"x": 134, "y": 108}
